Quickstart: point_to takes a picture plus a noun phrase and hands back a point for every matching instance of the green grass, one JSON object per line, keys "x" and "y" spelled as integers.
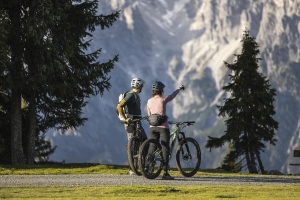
{"x": 54, "y": 168}
{"x": 153, "y": 192}
{"x": 135, "y": 192}
{"x": 86, "y": 168}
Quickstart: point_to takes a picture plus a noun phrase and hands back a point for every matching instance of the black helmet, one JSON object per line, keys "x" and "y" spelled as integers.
{"x": 157, "y": 86}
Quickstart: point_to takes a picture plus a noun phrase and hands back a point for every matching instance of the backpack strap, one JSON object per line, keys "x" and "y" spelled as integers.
{"x": 128, "y": 108}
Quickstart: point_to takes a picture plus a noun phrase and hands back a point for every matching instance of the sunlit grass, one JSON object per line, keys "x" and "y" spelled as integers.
{"x": 135, "y": 192}
{"x": 153, "y": 192}
{"x": 54, "y": 169}
{"x": 89, "y": 168}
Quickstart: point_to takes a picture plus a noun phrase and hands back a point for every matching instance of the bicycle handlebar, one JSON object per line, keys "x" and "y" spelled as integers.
{"x": 188, "y": 123}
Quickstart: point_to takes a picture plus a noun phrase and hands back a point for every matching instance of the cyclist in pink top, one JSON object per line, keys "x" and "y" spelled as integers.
{"x": 157, "y": 105}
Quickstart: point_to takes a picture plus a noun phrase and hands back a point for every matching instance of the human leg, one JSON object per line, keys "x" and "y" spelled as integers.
{"x": 143, "y": 135}
{"x": 130, "y": 134}
{"x": 153, "y": 134}
{"x": 165, "y": 143}
{"x": 130, "y": 131}
{"x": 152, "y": 147}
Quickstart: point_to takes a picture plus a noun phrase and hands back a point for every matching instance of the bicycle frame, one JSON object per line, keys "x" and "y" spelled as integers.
{"x": 134, "y": 143}
{"x": 188, "y": 153}
{"x": 136, "y": 124}
{"x": 175, "y": 134}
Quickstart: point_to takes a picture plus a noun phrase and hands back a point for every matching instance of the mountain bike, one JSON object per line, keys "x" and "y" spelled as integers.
{"x": 188, "y": 153}
{"x": 134, "y": 144}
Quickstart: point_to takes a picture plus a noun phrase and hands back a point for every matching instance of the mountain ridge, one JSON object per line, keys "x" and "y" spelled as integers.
{"x": 186, "y": 42}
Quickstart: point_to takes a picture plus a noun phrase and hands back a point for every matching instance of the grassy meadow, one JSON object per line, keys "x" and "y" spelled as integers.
{"x": 133, "y": 191}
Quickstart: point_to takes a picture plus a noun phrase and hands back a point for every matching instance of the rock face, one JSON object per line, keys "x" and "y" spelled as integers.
{"x": 186, "y": 42}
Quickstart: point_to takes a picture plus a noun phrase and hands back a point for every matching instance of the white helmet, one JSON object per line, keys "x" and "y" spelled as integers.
{"x": 137, "y": 83}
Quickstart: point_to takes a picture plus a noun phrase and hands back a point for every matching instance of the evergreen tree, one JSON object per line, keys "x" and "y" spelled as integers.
{"x": 71, "y": 75}
{"x": 13, "y": 75}
{"x": 4, "y": 115}
{"x": 249, "y": 109}
{"x": 43, "y": 149}
{"x": 4, "y": 98}
{"x": 49, "y": 59}
{"x": 229, "y": 163}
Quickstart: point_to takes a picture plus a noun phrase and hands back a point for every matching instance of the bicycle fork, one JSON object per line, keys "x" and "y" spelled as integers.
{"x": 176, "y": 134}
{"x": 186, "y": 154}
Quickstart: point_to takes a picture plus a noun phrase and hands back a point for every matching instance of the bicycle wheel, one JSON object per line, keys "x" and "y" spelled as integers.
{"x": 150, "y": 164}
{"x": 188, "y": 157}
{"x": 132, "y": 152}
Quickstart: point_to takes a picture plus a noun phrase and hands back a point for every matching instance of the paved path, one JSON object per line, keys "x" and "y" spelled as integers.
{"x": 97, "y": 180}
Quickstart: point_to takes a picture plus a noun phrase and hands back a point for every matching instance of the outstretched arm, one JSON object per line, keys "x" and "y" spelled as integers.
{"x": 173, "y": 95}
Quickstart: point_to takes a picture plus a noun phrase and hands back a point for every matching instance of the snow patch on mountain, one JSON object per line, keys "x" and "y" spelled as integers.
{"x": 186, "y": 42}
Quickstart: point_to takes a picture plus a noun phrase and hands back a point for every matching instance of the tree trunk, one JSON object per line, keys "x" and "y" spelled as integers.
{"x": 248, "y": 160}
{"x": 262, "y": 169}
{"x": 249, "y": 154}
{"x": 247, "y": 157}
{"x": 16, "y": 129}
{"x": 15, "y": 73}
{"x": 32, "y": 131}
{"x": 253, "y": 163}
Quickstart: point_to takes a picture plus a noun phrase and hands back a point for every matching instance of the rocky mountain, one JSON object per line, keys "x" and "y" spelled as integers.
{"x": 186, "y": 42}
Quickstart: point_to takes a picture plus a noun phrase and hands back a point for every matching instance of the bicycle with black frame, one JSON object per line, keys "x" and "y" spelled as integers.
{"x": 134, "y": 144}
{"x": 188, "y": 153}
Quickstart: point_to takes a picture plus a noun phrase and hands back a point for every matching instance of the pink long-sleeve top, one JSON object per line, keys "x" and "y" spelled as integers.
{"x": 157, "y": 105}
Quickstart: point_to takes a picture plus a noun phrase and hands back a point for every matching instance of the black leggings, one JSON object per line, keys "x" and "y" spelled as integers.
{"x": 164, "y": 135}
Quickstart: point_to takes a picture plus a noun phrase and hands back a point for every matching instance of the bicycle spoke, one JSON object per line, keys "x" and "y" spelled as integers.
{"x": 150, "y": 160}
{"x": 188, "y": 157}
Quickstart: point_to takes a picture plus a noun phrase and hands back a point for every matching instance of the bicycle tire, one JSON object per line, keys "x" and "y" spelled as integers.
{"x": 188, "y": 165}
{"x": 153, "y": 161}
{"x": 132, "y": 152}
